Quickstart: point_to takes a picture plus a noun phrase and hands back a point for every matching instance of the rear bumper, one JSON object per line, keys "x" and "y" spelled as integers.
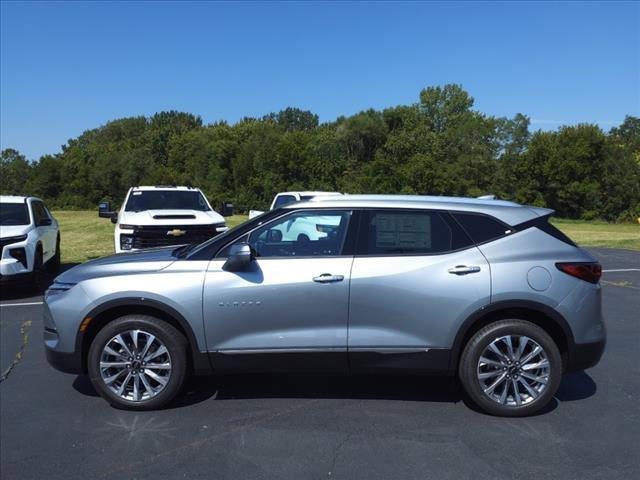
{"x": 585, "y": 355}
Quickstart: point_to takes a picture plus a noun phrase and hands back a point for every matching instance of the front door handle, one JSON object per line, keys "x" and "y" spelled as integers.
{"x": 463, "y": 270}
{"x": 328, "y": 278}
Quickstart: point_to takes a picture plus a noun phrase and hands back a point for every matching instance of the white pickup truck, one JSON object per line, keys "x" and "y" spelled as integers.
{"x": 283, "y": 198}
{"x": 158, "y": 216}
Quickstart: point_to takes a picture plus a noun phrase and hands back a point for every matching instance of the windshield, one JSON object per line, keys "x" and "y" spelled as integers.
{"x": 14, "y": 214}
{"x": 140, "y": 200}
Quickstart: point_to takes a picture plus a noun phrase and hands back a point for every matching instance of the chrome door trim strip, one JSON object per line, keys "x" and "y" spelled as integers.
{"x": 383, "y": 350}
{"x": 231, "y": 351}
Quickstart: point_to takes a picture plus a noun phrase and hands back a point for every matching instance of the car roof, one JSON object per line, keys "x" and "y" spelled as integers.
{"x": 15, "y": 199}
{"x": 510, "y": 213}
{"x": 165, "y": 187}
{"x": 310, "y": 193}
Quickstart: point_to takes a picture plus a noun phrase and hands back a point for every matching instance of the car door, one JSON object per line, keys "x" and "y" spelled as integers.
{"x": 416, "y": 276}
{"x": 46, "y": 229}
{"x": 293, "y": 300}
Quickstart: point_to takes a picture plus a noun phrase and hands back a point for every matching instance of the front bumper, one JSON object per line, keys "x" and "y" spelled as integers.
{"x": 65, "y": 362}
{"x": 11, "y": 266}
{"x": 585, "y": 355}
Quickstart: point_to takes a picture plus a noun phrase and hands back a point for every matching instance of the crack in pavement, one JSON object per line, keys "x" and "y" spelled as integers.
{"x": 24, "y": 332}
{"x": 201, "y": 441}
{"x": 622, "y": 284}
{"x": 336, "y": 452}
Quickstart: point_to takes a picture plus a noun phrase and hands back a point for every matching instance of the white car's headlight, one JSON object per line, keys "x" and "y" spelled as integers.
{"x": 10, "y": 240}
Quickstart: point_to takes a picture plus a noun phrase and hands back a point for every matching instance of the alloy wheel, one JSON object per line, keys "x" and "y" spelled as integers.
{"x": 135, "y": 365}
{"x": 513, "y": 370}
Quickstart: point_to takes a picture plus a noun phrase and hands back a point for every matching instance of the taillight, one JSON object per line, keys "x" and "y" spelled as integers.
{"x": 587, "y": 271}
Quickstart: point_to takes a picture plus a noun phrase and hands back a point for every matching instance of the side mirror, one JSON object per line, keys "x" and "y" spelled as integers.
{"x": 240, "y": 256}
{"x": 226, "y": 210}
{"x": 45, "y": 222}
{"x": 104, "y": 211}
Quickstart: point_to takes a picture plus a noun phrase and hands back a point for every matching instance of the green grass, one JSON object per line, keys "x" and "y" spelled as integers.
{"x": 86, "y": 236}
{"x": 601, "y": 234}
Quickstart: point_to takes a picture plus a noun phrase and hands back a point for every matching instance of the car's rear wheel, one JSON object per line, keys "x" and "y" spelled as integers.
{"x": 511, "y": 368}
{"x": 138, "y": 362}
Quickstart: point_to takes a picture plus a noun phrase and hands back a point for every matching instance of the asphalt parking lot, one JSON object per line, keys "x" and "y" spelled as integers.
{"x": 53, "y": 425}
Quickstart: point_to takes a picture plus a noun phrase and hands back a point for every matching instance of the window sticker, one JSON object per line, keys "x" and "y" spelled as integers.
{"x": 403, "y": 231}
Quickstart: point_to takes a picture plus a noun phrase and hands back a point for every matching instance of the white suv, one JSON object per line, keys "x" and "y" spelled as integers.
{"x": 162, "y": 216}
{"x": 284, "y": 198}
{"x": 29, "y": 239}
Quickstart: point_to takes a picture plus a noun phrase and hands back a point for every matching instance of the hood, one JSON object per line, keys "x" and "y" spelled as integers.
{"x": 139, "y": 261}
{"x": 14, "y": 230}
{"x": 170, "y": 217}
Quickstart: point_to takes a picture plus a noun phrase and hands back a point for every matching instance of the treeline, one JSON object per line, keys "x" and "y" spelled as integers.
{"x": 439, "y": 146}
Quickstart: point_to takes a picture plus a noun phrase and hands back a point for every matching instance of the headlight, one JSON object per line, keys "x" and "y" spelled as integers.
{"x": 127, "y": 227}
{"x": 10, "y": 240}
{"x": 57, "y": 288}
{"x": 126, "y": 242}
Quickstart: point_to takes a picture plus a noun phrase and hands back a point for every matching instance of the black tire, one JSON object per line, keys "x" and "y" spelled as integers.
{"x": 53, "y": 265}
{"x": 169, "y": 336}
{"x": 468, "y": 369}
{"x": 38, "y": 275}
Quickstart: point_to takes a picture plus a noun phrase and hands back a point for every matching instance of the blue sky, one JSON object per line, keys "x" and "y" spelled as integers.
{"x": 69, "y": 67}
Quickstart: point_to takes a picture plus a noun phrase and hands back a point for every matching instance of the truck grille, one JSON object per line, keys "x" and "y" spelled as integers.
{"x": 161, "y": 236}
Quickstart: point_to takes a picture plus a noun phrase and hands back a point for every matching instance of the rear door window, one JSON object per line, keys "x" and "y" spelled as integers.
{"x": 409, "y": 232}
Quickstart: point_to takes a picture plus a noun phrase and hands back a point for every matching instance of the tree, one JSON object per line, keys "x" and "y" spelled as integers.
{"x": 439, "y": 145}
{"x": 14, "y": 172}
{"x": 293, "y": 119}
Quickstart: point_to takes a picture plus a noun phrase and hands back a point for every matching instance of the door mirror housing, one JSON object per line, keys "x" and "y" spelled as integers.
{"x": 104, "y": 211}
{"x": 44, "y": 222}
{"x": 240, "y": 257}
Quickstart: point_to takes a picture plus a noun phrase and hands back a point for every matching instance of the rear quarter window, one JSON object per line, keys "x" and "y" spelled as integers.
{"x": 481, "y": 228}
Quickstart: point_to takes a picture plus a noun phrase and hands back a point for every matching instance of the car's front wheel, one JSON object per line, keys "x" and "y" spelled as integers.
{"x": 39, "y": 274}
{"x": 138, "y": 362}
{"x": 511, "y": 368}
{"x": 53, "y": 264}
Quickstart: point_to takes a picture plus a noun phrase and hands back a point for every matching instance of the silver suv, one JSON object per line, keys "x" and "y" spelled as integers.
{"x": 486, "y": 290}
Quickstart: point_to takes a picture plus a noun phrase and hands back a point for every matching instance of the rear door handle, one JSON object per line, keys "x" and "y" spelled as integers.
{"x": 328, "y": 278}
{"x": 463, "y": 270}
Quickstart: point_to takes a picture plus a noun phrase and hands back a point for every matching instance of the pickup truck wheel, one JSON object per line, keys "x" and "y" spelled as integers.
{"x": 511, "y": 368}
{"x": 138, "y": 362}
